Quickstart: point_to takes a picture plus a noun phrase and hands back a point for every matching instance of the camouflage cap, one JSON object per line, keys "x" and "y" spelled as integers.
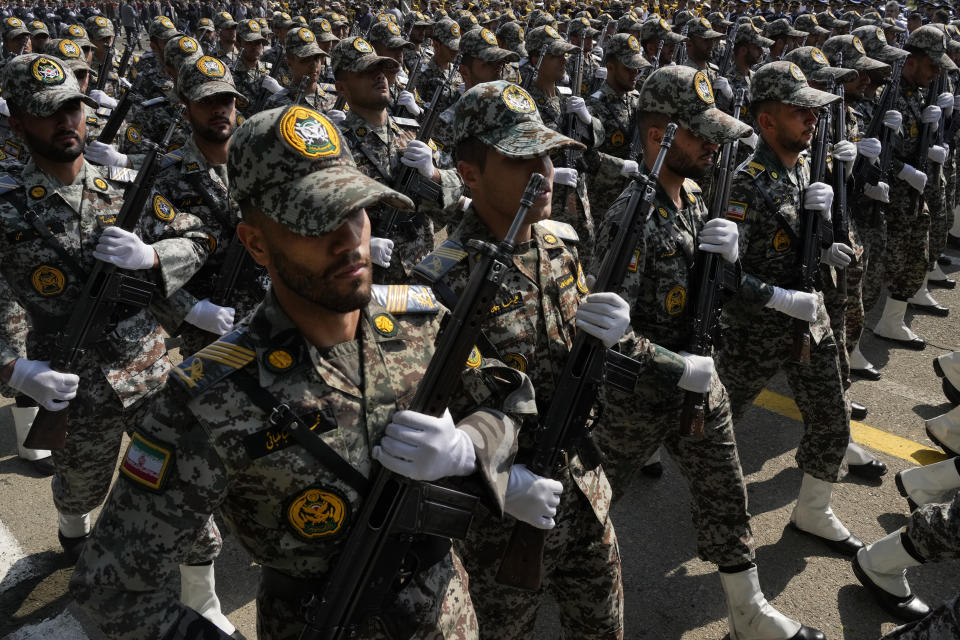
{"x": 448, "y": 32}
{"x": 888, "y": 23}
{"x": 510, "y": 36}
{"x": 223, "y": 20}
{"x": 701, "y": 28}
{"x": 628, "y": 23}
{"x": 38, "y": 28}
{"x": 808, "y": 23}
{"x": 13, "y": 28}
{"x": 504, "y": 116}
{"x": 932, "y": 42}
{"x": 389, "y": 34}
{"x": 872, "y": 19}
{"x": 686, "y": 96}
{"x": 681, "y": 18}
{"x": 386, "y": 17}
{"x": 829, "y": 21}
{"x": 281, "y": 20}
{"x": 482, "y": 44}
{"x": 874, "y": 42}
{"x": 356, "y": 54}
{"x": 467, "y": 22}
{"x": 542, "y": 20}
{"x": 249, "y": 31}
{"x": 339, "y": 20}
{"x": 205, "y": 24}
{"x": 40, "y": 85}
{"x": 79, "y": 35}
{"x": 658, "y": 29}
{"x": 179, "y": 49}
{"x": 323, "y": 30}
{"x": 625, "y": 49}
{"x": 264, "y": 27}
{"x": 162, "y": 28}
{"x": 748, "y": 33}
{"x": 69, "y": 51}
{"x": 783, "y": 81}
{"x": 292, "y": 164}
{"x": 417, "y": 19}
{"x": 782, "y": 27}
{"x": 202, "y": 76}
{"x": 99, "y": 27}
{"x": 854, "y": 54}
{"x": 546, "y": 41}
{"x": 814, "y": 64}
{"x": 581, "y": 26}
{"x": 302, "y": 43}
{"x": 717, "y": 21}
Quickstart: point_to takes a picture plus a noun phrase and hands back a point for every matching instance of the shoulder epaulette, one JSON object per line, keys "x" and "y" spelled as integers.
{"x": 692, "y": 186}
{"x": 406, "y": 122}
{"x": 440, "y": 261}
{"x": 9, "y": 182}
{"x": 406, "y": 298}
{"x": 597, "y": 94}
{"x": 562, "y": 230}
{"x": 447, "y": 115}
{"x": 215, "y": 362}
{"x": 152, "y": 102}
{"x": 753, "y": 168}
{"x": 121, "y": 174}
{"x": 171, "y": 158}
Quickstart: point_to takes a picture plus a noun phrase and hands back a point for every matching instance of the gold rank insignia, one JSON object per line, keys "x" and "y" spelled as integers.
{"x": 550, "y": 238}
{"x": 100, "y": 183}
{"x": 361, "y": 131}
{"x": 48, "y": 281}
{"x": 37, "y": 192}
{"x": 279, "y": 360}
{"x": 385, "y": 325}
{"x": 318, "y": 512}
{"x": 617, "y": 138}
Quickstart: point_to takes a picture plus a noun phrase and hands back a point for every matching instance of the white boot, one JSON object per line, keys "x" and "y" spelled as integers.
{"x": 882, "y": 568}
{"x": 197, "y": 592}
{"x": 936, "y": 273}
{"x": 945, "y": 431}
{"x": 924, "y": 485}
{"x": 857, "y": 454}
{"x": 813, "y": 515}
{"x": 858, "y": 360}
{"x": 949, "y": 367}
{"x": 73, "y": 526}
{"x": 22, "y": 420}
{"x": 891, "y": 324}
{"x": 751, "y": 616}
{"x": 923, "y": 297}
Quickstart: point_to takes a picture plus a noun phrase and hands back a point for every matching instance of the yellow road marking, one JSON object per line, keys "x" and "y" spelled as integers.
{"x": 862, "y": 433}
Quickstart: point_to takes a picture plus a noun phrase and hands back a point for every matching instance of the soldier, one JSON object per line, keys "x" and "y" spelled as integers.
{"x": 421, "y": 24}
{"x": 510, "y": 37}
{"x": 784, "y": 36}
{"x": 102, "y": 36}
{"x": 380, "y": 144}
{"x": 251, "y": 74}
{"x": 323, "y": 345}
{"x": 16, "y": 37}
{"x": 149, "y": 75}
{"x": 653, "y": 32}
{"x": 205, "y": 35}
{"x": 613, "y": 162}
{"x": 226, "y": 49}
{"x": 446, "y": 43}
{"x": 579, "y": 32}
{"x": 280, "y": 26}
{"x": 388, "y": 41}
{"x": 79, "y": 204}
{"x": 74, "y": 60}
{"x": 39, "y": 35}
{"x": 303, "y": 60}
{"x": 816, "y": 35}
{"x": 500, "y": 141}
{"x": 767, "y": 195}
{"x": 636, "y": 421}
{"x": 747, "y": 51}
{"x": 323, "y": 32}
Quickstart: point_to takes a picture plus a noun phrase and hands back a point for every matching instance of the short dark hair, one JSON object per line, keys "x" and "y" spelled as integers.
{"x": 647, "y": 119}
{"x": 472, "y": 151}
{"x": 763, "y": 106}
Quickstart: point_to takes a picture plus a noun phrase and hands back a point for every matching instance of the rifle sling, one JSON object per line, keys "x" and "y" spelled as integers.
{"x": 314, "y": 444}
{"x": 33, "y": 219}
{"x": 768, "y": 200}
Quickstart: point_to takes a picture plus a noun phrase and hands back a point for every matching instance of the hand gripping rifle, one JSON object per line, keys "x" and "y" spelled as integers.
{"x": 596, "y": 83}
{"x": 811, "y": 236}
{"x": 105, "y": 289}
{"x": 713, "y": 276}
{"x": 886, "y": 135}
{"x": 927, "y": 137}
{"x": 409, "y": 181}
{"x": 372, "y": 556}
{"x": 572, "y": 125}
{"x": 864, "y": 171}
{"x": 411, "y": 81}
{"x": 564, "y": 426}
{"x": 840, "y": 215}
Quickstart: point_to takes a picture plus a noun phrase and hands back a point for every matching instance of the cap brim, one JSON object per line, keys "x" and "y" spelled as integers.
{"x": 307, "y": 50}
{"x": 833, "y": 74}
{"x": 868, "y": 64}
{"x": 453, "y": 43}
{"x": 369, "y": 62}
{"x": 396, "y": 42}
{"x": 252, "y": 37}
{"x": 211, "y": 89}
{"x": 558, "y": 48}
{"x": 944, "y": 62}
{"x": 526, "y": 140}
{"x": 810, "y": 98}
{"x": 708, "y": 34}
{"x": 44, "y": 104}
{"x": 496, "y": 54}
{"x": 671, "y": 37}
{"x": 633, "y": 61}
{"x": 715, "y": 126}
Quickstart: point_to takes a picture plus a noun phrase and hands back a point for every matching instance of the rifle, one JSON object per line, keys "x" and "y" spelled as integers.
{"x": 104, "y": 68}
{"x": 680, "y": 53}
{"x": 712, "y": 277}
{"x": 124, "y": 63}
{"x": 527, "y": 82}
{"x": 411, "y": 81}
{"x": 926, "y": 141}
{"x": 409, "y": 179}
{"x": 598, "y": 82}
{"x": 274, "y": 72}
{"x": 636, "y": 138}
{"x": 115, "y": 121}
{"x": 864, "y": 171}
{"x": 886, "y": 135}
{"x": 572, "y": 128}
{"x": 372, "y": 556}
{"x": 105, "y": 289}
{"x": 811, "y": 237}
{"x": 563, "y": 427}
{"x": 841, "y": 220}
{"x": 727, "y": 60}
{"x": 226, "y": 281}
{"x": 301, "y": 88}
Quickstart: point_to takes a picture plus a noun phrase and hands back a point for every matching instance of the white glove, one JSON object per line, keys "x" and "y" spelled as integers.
{"x": 937, "y": 154}
{"x": 402, "y": 77}
{"x": 598, "y": 52}
{"x": 381, "y": 250}
{"x": 578, "y": 107}
{"x": 419, "y": 156}
{"x": 604, "y": 315}
{"x": 126, "y": 84}
{"x": 212, "y": 317}
{"x": 51, "y": 389}
{"x": 698, "y": 372}
{"x": 630, "y": 168}
{"x": 893, "y": 120}
{"x": 869, "y": 148}
{"x": 819, "y": 197}
{"x": 565, "y": 79}
{"x": 566, "y": 177}
{"x": 600, "y": 73}
{"x": 105, "y": 154}
{"x": 103, "y": 99}
{"x": 722, "y": 236}
{"x": 844, "y": 151}
{"x": 531, "y": 498}
{"x": 4, "y": 109}
{"x": 916, "y": 179}
{"x": 945, "y": 102}
{"x": 796, "y": 304}
{"x": 271, "y": 85}
{"x": 751, "y": 140}
{"x": 722, "y": 85}
{"x": 407, "y": 100}
{"x": 124, "y": 249}
{"x": 931, "y": 115}
{"x": 336, "y": 116}
{"x": 422, "y": 447}
{"x": 837, "y": 255}
{"x": 465, "y": 203}
{"x": 879, "y": 192}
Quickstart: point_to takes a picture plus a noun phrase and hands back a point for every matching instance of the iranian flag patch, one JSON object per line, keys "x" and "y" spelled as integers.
{"x": 146, "y": 462}
{"x": 736, "y": 210}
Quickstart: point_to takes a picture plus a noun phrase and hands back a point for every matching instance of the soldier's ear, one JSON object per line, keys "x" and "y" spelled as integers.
{"x": 469, "y": 173}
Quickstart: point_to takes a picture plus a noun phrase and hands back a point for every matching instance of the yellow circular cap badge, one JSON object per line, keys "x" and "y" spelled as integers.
{"x": 796, "y": 73}
{"x": 702, "y": 85}
{"x": 818, "y": 56}
{"x": 318, "y": 512}
{"x": 312, "y": 135}
{"x": 37, "y": 192}
{"x": 69, "y": 48}
{"x": 100, "y": 21}
{"x": 489, "y": 37}
{"x": 518, "y": 100}
{"x": 48, "y": 71}
{"x": 163, "y": 209}
{"x": 550, "y": 31}
{"x": 188, "y": 44}
{"x": 211, "y": 67}
{"x": 14, "y": 22}
{"x": 880, "y": 36}
{"x": 858, "y": 45}
{"x": 253, "y": 25}
{"x": 48, "y": 281}
{"x": 455, "y": 30}
{"x": 324, "y": 25}
{"x": 394, "y": 29}
{"x": 306, "y": 35}
{"x": 76, "y": 31}
{"x": 167, "y": 24}
{"x": 362, "y": 46}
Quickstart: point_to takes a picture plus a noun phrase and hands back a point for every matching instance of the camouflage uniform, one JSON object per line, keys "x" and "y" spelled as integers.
{"x": 433, "y": 77}
{"x": 942, "y": 623}
{"x": 284, "y": 505}
{"x": 249, "y": 80}
{"x": 150, "y": 120}
{"x": 302, "y": 42}
{"x": 590, "y": 64}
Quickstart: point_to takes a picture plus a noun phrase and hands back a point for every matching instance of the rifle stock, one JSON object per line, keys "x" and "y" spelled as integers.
{"x": 841, "y": 221}
{"x": 564, "y": 424}
{"x": 104, "y": 68}
{"x": 49, "y": 428}
{"x": 527, "y": 82}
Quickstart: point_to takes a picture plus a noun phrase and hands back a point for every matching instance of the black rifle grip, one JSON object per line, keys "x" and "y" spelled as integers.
{"x": 49, "y": 430}
{"x": 522, "y": 561}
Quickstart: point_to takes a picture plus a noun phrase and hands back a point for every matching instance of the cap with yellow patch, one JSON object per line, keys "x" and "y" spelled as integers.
{"x": 162, "y": 28}
{"x": 389, "y": 34}
{"x": 40, "y": 84}
{"x": 99, "y": 27}
{"x": 447, "y": 32}
{"x": 357, "y": 55}
{"x": 203, "y": 76}
{"x": 482, "y": 44}
{"x": 814, "y": 64}
{"x": 69, "y": 52}
{"x": 783, "y": 81}
{"x": 546, "y": 40}
{"x": 302, "y": 43}
{"x": 179, "y": 49}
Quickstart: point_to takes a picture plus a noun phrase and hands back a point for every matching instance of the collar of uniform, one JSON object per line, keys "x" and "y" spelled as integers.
{"x": 471, "y": 227}
{"x": 191, "y": 159}
{"x": 273, "y": 332}
{"x": 34, "y": 177}
{"x": 361, "y": 128}
{"x": 664, "y": 204}
{"x": 771, "y": 162}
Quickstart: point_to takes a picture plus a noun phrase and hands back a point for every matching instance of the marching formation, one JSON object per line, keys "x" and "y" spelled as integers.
{"x": 443, "y": 279}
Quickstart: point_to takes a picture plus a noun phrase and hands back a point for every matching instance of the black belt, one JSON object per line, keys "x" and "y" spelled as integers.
{"x": 282, "y": 586}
